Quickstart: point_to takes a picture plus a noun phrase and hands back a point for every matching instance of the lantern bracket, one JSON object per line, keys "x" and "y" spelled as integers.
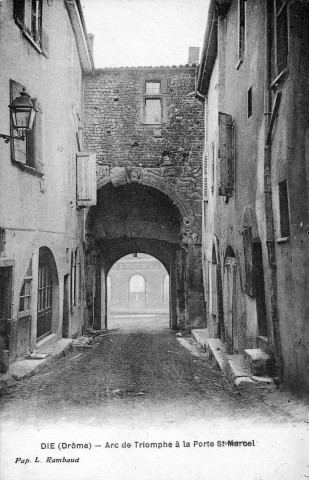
{"x": 7, "y": 138}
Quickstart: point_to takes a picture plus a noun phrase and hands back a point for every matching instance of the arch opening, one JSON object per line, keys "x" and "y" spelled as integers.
{"x": 139, "y": 218}
{"x": 137, "y": 293}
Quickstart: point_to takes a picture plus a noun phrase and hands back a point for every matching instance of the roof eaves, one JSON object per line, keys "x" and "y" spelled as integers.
{"x": 80, "y": 32}
{"x": 210, "y": 45}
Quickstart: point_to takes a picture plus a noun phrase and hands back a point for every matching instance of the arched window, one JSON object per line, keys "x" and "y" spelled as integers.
{"x": 137, "y": 284}
{"x": 137, "y": 291}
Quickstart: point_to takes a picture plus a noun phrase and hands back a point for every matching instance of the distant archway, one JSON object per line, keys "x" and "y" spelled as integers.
{"x": 137, "y": 290}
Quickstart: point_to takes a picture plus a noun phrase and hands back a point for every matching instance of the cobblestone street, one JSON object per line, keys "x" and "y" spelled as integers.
{"x": 139, "y": 372}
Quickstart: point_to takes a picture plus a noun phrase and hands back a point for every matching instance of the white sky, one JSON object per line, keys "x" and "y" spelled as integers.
{"x": 144, "y": 32}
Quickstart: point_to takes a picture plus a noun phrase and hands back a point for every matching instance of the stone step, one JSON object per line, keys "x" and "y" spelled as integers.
{"x": 263, "y": 344}
{"x": 239, "y": 374}
{"x": 258, "y": 362}
{"x": 234, "y": 367}
{"x": 213, "y": 347}
{"x": 217, "y": 352}
{"x": 200, "y": 335}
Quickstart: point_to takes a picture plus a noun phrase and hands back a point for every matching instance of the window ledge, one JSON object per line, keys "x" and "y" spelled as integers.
{"x": 33, "y": 43}
{"x": 25, "y": 313}
{"x": 240, "y": 61}
{"x": 282, "y": 240}
{"x": 28, "y": 169}
{"x": 279, "y": 79}
{"x": 45, "y": 339}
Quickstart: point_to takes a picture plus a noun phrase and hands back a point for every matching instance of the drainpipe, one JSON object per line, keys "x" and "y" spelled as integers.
{"x": 270, "y": 241}
{"x": 196, "y": 93}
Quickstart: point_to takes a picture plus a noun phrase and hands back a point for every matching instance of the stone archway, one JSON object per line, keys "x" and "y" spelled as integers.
{"x": 135, "y": 217}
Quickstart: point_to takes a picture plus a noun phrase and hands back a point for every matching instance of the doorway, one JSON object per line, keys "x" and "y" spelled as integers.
{"x": 5, "y": 304}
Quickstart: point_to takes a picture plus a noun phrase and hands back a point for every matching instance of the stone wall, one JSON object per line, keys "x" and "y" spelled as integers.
{"x": 170, "y": 152}
{"x": 137, "y": 162}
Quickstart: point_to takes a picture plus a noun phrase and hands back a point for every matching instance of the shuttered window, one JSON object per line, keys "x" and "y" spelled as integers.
{"x": 282, "y": 38}
{"x": 214, "y": 289}
{"x": 226, "y": 155}
{"x": 241, "y": 28}
{"x": 28, "y": 16}
{"x": 284, "y": 210}
{"x": 86, "y": 190}
{"x": 205, "y": 180}
{"x": 248, "y": 257}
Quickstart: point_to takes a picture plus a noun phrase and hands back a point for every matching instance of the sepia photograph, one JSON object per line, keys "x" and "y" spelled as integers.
{"x": 154, "y": 239}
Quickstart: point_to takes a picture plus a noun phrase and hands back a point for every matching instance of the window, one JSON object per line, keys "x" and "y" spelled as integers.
{"x": 284, "y": 210}
{"x": 153, "y": 103}
{"x": 28, "y": 16}
{"x": 25, "y": 296}
{"x": 248, "y": 259}
{"x": 249, "y": 102}
{"x": 28, "y": 152}
{"x": 153, "y": 88}
{"x": 281, "y": 32}
{"x": 6, "y": 276}
{"x": 137, "y": 291}
{"x": 152, "y": 110}
{"x": 44, "y": 319}
{"x": 137, "y": 284}
{"x": 86, "y": 191}
{"x": 241, "y": 28}
{"x": 226, "y": 154}
{"x": 212, "y": 167}
{"x": 213, "y": 283}
{"x": 73, "y": 279}
{"x": 205, "y": 179}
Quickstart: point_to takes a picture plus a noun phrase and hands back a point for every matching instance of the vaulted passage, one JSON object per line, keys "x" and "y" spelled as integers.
{"x": 138, "y": 218}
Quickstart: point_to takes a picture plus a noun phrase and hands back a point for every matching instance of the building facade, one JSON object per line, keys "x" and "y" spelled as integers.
{"x": 146, "y": 127}
{"x": 254, "y": 77}
{"x": 44, "y": 49}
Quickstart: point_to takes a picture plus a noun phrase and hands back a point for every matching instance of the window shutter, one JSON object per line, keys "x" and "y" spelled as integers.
{"x": 226, "y": 155}
{"x": 214, "y": 289}
{"x": 18, "y": 148}
{"x": 19, "y": 12}
{"x": 86, "y": 179}
{"x": 38, "y": 137}
{"x": 205, "y": 186}
{"x": 45, "y": 44}
{"x": 249, "y": 270}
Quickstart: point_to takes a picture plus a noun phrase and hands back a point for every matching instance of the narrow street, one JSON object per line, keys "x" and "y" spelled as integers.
{"x": 138, "y": 385}
{"x": 137, "y": 373}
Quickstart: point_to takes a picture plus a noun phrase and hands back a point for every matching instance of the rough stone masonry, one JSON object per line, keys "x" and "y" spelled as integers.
{"x": 164, "y": 153}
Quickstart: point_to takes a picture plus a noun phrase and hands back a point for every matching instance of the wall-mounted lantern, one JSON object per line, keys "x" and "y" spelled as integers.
{"x": 22, "y": 113}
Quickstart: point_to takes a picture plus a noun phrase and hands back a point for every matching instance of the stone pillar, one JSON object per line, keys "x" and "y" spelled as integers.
{"x": 173, "y": 292}
{"x": 97, "y": 310}
{"x": 180, "y": 289}
{"x": 195, "y": 291}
